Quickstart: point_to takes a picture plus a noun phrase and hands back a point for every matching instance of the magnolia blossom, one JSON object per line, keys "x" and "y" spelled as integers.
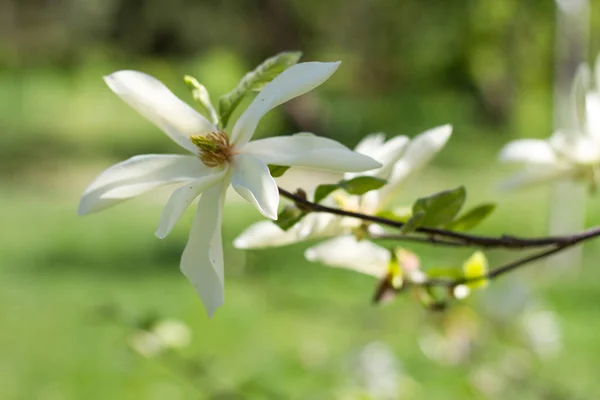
{"x": 217, "y": 159}
{"x": 400, "y": 157}
{"x": 573, "y": 154}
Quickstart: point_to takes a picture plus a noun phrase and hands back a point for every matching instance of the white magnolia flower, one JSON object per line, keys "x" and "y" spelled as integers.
{"x": 571, "y": 154}
{"x": 217, "y": 159}
{"x": 400, "y": 159}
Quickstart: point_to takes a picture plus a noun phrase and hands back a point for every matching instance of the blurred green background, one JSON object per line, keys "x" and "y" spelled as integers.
{"x": 74, "y": 291}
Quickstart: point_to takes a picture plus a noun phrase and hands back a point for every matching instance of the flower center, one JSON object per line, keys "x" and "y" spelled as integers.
{"x": 215, "y": 148}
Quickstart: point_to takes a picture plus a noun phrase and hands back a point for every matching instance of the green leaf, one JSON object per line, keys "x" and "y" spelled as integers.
{"x": 474, "y": 270}
{"x": 440, "y": 208}
{"x": 472, "y": 218}
{"x": 256, "y": 80}
{"x": 397, "y": 214}
{"x": 361, "y": 184}
{"x": 277, "y": 170}
{"x": 414, "y": 222}
{"x": 323, "y": 191}
{"x": 289, "y": 216}
{"x": 202, "y": 97}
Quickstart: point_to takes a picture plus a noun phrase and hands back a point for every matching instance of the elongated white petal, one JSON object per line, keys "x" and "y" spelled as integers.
{"x": 137, "y": 175}
{"x": 597, "y": 72}
{"x": 154, "y": 101}
{"x": 576, "y": 147}
{"x": 265, "y": 234}
{"x": 529, "y": 151}
{"x": 292, "y": 82}
{"x": 537, "y": 175}
{"x": 370, "y": 144}
{"x": 309, "y": 151}
{"x": 387, "y": 154}
{"x": 181, "y": 199}
{"x": 417, "y": 155}
{"x": 250, "y": 177}
{"x": 346, "y": 252}
{"x": 202, "y": 259}
{"x": 425, "y": 146}
{"x": 592, "y": 104}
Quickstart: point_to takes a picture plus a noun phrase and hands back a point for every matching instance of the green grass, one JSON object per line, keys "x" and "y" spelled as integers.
{"x": 289, "y": 328}
{"x": 58, "y": 269}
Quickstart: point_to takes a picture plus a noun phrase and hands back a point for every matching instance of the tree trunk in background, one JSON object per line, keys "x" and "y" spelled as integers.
{"x": 568, "y": 199}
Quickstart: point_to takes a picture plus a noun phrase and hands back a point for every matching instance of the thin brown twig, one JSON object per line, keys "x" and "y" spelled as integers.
{"x": 448, "y": 237}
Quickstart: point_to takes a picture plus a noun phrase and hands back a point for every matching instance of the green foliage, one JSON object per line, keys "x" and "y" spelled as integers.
{"x": 398, "y": 215}
{"x": 255, "y": 81}
{"x": 414, "y": 222}
{"x": 361, "y": 184}
{"x": 202, "y": 97}
{"x": 472, "y": 218}
{"x": 289, "y": 216}
{"x": 323, "y": 191}
{"x": 436, "y": 210}
{"x": 277, "y": 170}
{"x": 355, "y": 186}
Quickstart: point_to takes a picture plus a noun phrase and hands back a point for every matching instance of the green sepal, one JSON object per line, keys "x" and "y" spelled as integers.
{"x": 277, "y": 170}
{"x": 255, "y": 81}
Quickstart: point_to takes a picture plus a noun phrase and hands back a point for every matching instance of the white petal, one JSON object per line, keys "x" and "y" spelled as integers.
{"x": 292, "y": 82}
{"x": 181, "y": 199}
{"x": 592, "y": 105}
{"x": 387, "y": 154}
{"x": 154, "y": 101}
{"x": 579, "y": 88}
{"x": 202, "y": 259}
{"x": 309, "y": 151}
{"x": 417, "y": 155}
{"x": 320, "y": 225}
{"x": 370, "y": 144}
{"x": 535, "y": 176}
{"x": 576, "y": 147}
{"x": 425, "y": 146}
{"x": 137, "y": 175}
{"x": 266, "y": 234}
{"x": 597, "y": 72}
{"x": 530, "y": 151}
{"x": 251, "y": 178}
{"x": 346, "y": 252}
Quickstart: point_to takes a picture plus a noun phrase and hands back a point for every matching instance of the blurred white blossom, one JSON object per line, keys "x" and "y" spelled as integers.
{"x": 377, "y": 375}
{"x": 164, "y": 335}
{"x": 565, "y": 155}
{"x": 543, "y": 332}
{"x": 401, "y": 159}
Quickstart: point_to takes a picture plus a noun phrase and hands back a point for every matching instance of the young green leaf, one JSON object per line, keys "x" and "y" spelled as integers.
{"x": 202, "y": 97}
{"x": 471, "y": 218}
{"x": 256, "y": 80}
{"x": 323, "y": 191}
{"x": 394, "y": 215}
{"x": 277, "y": 170}
{"x": 289, "y": 216}
{"x": 414, "y": 222}
{"x": 440, "y": 208}
{"x": 361, "y": 184}
{"x": 475, "y": 269}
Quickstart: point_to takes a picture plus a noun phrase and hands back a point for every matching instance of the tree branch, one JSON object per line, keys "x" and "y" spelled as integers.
{"x": 447, "y": 237}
